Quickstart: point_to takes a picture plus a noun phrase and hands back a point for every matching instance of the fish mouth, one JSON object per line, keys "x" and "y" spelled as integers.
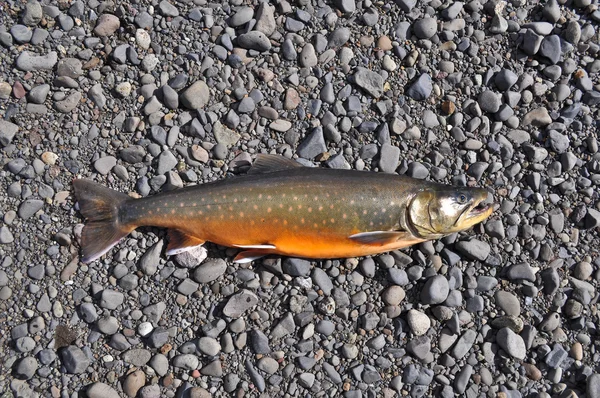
{"x": 478, "y": 212}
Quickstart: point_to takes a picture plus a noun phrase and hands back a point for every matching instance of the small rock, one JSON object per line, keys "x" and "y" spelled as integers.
{"x": 421, "y": 88}
{"x": 511, "y": 342}
{"x": 240, "y": 303}
{"x": 196, "y": 96}
{"x": 418, "y": 322}
{"x": 425, "y": 28}
{"x": 101, "y": 390}
{"x": 107, "y": 25}
{"x": 369, "y": 81}
{"x": 435, "y": 290}
{"x": 133, "y": 383}
{"x": 74, "y": 359}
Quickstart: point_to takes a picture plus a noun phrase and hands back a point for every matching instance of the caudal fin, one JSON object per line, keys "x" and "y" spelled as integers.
{"x": 100, "y": 206}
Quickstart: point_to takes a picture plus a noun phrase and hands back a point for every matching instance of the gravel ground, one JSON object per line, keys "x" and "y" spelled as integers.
{"x": 150, "y": 96}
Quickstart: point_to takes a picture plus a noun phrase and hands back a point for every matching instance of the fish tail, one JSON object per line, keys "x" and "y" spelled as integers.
{"x": 101, "y": 208}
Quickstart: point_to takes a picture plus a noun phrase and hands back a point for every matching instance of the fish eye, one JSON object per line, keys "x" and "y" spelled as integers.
{"x": 462, "y": 199}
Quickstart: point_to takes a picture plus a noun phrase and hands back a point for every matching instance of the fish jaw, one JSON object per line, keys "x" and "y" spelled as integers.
{"x": 477, "y": 213}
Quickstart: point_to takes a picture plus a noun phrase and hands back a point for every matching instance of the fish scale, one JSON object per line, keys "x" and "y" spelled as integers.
{"x": 279, "y": 208}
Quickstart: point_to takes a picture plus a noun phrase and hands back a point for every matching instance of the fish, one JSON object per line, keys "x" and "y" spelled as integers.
{"x": 281, "y": 207}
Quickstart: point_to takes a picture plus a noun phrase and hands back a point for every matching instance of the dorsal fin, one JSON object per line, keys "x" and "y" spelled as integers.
{"x": 270, "y": 163}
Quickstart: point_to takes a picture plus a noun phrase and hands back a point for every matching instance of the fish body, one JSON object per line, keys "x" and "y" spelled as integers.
{"x": 279, "y": 208}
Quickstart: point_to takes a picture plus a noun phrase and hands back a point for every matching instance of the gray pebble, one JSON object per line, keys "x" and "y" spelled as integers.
{"x": 8, "y": 131}
{"x": 435, "y": 290}
{"x": 111, "y": 299}
{"x": 105, "y": 164}
{"x": 239, "y": 303}
{"x": 196, "y": 96}
{"x": 421, "y": 88}
{"x": 29, "y": 207}
{"x": 74, "y": 359}
{"x": 489, "y": 101}
{"x": 167, "y": 9}
{"x": 511, "y": 342}
{"x": 26, "y": 368}
{"x": 185, "y": 361}
{"x": 254, "y": 40}
{"x": 425, "y": 28}
{"x": 21, "y": 33}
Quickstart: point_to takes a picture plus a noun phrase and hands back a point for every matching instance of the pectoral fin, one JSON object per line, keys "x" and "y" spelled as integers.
{"x": 180, "y": 242}
{"x": 377, "y": 238}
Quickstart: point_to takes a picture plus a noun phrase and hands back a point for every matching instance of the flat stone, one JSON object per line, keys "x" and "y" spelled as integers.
{"x": 101, "y": 390}
{"x": 8, "y": 131}
{"x": 435, "y": 290}
{"x": 464, "y": 344}
{"x": 421, "y": 88}
{"x": 265, "y": 19}
{"x": 74, "y": 359}
{"x": 105, "y": 164}
{"x": 240, "y": 303}
{"x": 133, "y": 383}
{"x": 196, "y": 96}
{"x": 28, "y": 61}
{"x": 225, "y": 135}
{"x": 167, "y": 9}
{"x": 29, "y": 207}
{"x": 107, "y": 25}
{"x": 254, "y": 40}
{"x": 68, "y": 104}
{"x": 313, "y": 144}
{"x": 512, "y": 343}
{"x": 474, "y": 249}
{"x": 425, "y": 28}
{"x": 371, "y": 82}
{"x": 210, "y": 270}
{"x": 508, "y": 302}
{"x": 537, "y": 117}
{"x": 489, "y": 101}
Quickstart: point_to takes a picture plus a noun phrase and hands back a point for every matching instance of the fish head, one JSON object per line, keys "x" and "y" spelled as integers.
{"x": 439, "y": 211}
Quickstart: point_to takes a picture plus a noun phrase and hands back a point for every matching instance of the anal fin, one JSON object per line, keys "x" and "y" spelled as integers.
{"x": 180, "y": 242}
{"x": 249, "y": 256}
{"x": 380, "y": 238}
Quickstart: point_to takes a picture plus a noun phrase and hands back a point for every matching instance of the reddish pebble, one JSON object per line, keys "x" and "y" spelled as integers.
{"x": 195, "y": 373}
{"x": 18, "y": 90}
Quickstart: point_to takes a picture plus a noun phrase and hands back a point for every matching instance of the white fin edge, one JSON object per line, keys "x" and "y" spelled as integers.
{"x": 246, "y": 260}
{"x": 201, "y": 254}
{"x": 259, "y": 247}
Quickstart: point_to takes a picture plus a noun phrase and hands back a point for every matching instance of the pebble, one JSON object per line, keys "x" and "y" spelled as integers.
{"x": 435, "y": 290}
{"x": 474, "y": 249}
{"x": 489, "y": 101}
{"x": 27, "y": 61}
{"x": 371, "y": 82}
{"x": 74, "y": 359}
{"x": 418, "y": 322}
{"x": 133, "y": 383}
{"x": 254, "y": 40}
{"x": 101, "y": 390}
{"x": 107, "y": 25}
{"x": 195, "y": 96}
{"x": 393, "y": 295}
{"x": 508, "y": 302}
{"x": 239, "y": 303}
{"x": 210, "y": 270}
{"x": 425, "y": 28}
{"x": 421, "y": 88}
{"x": 511, "y": 342}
